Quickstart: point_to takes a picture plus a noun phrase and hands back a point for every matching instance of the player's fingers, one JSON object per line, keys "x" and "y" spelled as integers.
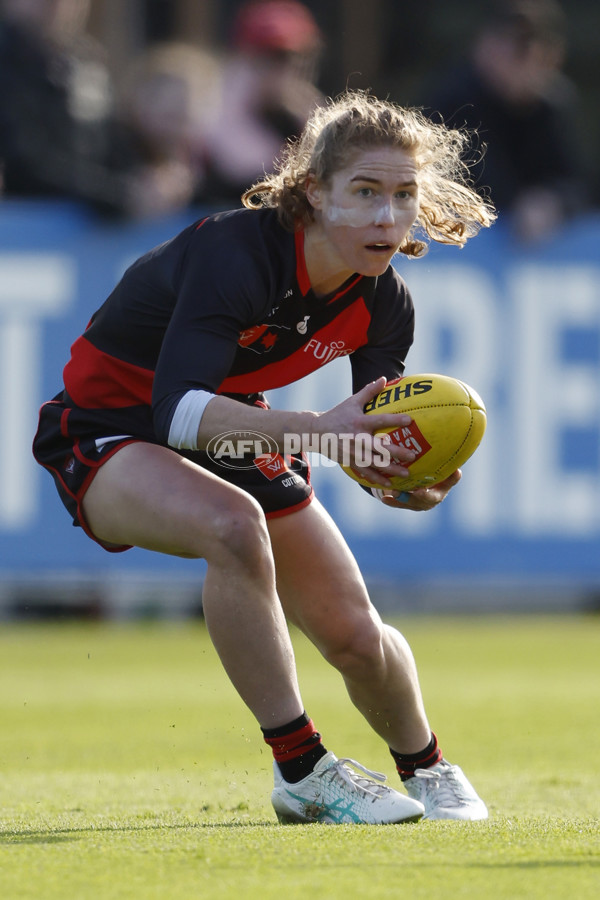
{"x": 370, "y": 390}
{"x": 419, "y": 501}
{"x": 451, "y": 480}
{"x": 395, "y": 451}
{"x": 395, "y": 498}
{"x": 439, "y": 491}
{"x": 427, "y": 498}
{"x": 386, "y": 421}
{"x": 395, "y": 468}
{"x": 380, "y": 476}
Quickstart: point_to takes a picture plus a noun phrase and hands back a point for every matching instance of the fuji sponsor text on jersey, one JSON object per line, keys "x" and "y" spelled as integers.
{"x": 326, "y": 352}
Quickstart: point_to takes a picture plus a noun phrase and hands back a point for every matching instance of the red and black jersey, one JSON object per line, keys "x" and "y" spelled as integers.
{"x": 226, "y": 306}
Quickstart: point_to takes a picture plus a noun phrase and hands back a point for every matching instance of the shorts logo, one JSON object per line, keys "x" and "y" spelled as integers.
{"x": 277, "y": 465}
{"x": 70, "y": 465}
{"x": 272, "y": 465}
{"x": 242, "y": 449}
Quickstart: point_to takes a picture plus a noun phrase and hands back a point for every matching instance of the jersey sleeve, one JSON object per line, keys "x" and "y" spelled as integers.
{"x": 222, "y": 287}
{"x": 390, "y": 334}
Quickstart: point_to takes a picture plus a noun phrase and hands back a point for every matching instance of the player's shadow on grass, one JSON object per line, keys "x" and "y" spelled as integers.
{"x": 37, "y": 838}
{"x": 76, "y": 834}
{"x": 56, "y": 836}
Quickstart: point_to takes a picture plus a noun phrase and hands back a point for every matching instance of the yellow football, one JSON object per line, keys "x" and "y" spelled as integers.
{"x": 448, "y": 423}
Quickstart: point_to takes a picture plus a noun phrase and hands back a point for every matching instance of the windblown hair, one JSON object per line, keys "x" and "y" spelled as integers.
{"x": 450, "y": 210}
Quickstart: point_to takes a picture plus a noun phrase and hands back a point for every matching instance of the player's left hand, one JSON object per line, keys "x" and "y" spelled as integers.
{"x": 420, "y": 499}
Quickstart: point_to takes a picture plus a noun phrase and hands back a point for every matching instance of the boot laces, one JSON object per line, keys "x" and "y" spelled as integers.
{"x": 445, "y": 785}
{"x": 340, "y": 770}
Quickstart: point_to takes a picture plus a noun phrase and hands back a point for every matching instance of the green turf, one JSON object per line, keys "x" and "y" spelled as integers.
{"x": 130, "y": 769}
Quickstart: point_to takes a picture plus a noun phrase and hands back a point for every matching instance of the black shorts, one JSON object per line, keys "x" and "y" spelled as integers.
{"x": 281, "y": 486}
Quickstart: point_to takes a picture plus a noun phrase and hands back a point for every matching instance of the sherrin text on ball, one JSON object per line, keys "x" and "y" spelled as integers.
{"x": 448, "y": 423}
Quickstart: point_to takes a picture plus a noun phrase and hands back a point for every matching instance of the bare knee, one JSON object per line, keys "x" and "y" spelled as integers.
{"x": 356, "y": 646}
{"x": 239, "y": 535}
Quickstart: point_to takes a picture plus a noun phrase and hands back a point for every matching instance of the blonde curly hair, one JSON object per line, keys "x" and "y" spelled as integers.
{"x": 450, "y": 210}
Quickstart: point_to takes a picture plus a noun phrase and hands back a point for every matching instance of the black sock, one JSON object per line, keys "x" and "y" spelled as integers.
{"x": 296, "y": 747}
{"x": 408, "y": 763}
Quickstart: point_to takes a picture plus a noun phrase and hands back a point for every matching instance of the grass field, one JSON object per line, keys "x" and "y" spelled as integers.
{"x": 130, "y": 769}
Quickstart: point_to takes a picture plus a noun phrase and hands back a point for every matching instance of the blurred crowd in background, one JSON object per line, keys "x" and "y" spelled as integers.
{"x": 143, "y": 108}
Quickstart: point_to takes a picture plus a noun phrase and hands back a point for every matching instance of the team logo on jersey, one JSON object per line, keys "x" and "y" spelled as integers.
{"x": 260, "y": 338}
{"x": 302, "y": 327}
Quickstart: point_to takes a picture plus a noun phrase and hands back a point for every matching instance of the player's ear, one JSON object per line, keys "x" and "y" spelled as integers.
{"x": 314, "y": 192}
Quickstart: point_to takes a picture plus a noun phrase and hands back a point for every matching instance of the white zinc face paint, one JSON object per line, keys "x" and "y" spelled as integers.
{"x": 384, "y": 214}
{"x": 360, "y": 218}
{"x": 378, "y": 212}
{"x": 355, "y": 218}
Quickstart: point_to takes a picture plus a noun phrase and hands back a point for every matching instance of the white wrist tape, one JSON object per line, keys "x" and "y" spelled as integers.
{"x": 183, "y": 433}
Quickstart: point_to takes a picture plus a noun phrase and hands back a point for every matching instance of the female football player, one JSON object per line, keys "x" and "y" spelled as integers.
{"x": 179, "y": 355}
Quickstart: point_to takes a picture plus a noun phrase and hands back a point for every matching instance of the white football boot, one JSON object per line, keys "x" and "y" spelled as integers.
{"x": 333, "y": 794}
{"x": 446, "y": 793}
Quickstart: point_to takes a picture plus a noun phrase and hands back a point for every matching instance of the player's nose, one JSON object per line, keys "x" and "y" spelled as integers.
{"x": 385, "y": 213}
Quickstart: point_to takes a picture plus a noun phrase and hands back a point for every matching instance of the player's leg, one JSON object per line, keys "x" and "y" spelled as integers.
{"x": 323, "y": 592}
{"x": 150, "y": 497}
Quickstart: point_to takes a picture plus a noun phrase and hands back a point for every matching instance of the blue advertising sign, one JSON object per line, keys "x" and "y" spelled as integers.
{"x": 522, "y": 326}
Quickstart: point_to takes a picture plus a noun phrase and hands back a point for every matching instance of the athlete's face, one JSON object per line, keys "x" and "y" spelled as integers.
{"x": 367, "y": 209}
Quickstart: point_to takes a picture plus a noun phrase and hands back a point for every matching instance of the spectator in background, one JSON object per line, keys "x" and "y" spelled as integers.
{"x": 165, "y": 100}
{"x": 55, "y": 104}
{"x": 267, "y": 95}
{"x": 513, "y": 91}
{"x": 63, "y": 137}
